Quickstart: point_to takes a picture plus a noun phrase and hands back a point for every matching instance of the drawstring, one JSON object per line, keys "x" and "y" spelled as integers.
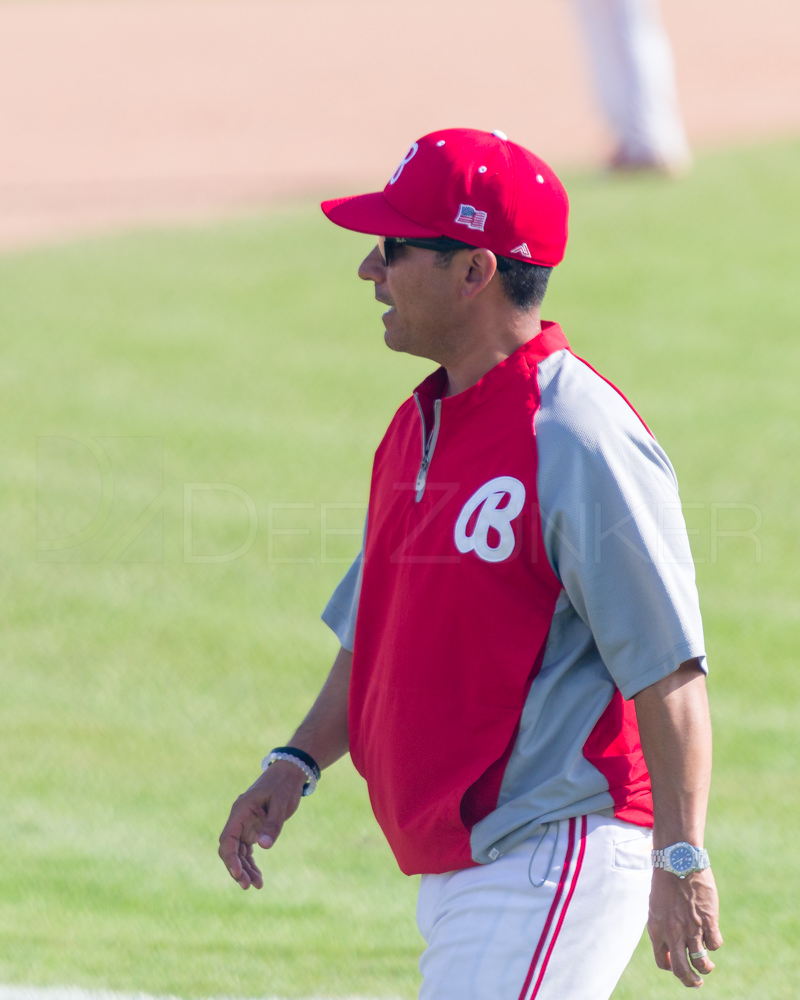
{"x": 540, "y": 841}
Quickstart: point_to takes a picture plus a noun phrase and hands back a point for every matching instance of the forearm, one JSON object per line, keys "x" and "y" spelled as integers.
{"x": 323, "y": 733}
{"x": 675, "y": 729}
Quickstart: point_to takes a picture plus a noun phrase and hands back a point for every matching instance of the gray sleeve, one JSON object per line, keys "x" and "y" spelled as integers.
{"x": 340, "y": 612}
{"x": 613, "y": 527}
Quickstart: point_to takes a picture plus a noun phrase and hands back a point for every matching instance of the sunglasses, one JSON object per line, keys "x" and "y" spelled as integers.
{"x": 388, "y": 244}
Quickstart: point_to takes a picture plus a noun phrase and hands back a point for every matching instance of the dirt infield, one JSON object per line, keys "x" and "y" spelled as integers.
{"x": 126, "y": 112}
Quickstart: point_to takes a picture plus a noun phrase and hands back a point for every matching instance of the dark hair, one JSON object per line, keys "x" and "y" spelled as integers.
{"x": 524, "y": 284}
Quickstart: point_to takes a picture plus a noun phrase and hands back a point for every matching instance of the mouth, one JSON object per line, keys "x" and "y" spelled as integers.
{"x": 385, "y": 302}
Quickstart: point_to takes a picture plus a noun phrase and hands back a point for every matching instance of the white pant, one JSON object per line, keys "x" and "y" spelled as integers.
{"x": 557, "y": 918}
{"x": 634, "y": 77}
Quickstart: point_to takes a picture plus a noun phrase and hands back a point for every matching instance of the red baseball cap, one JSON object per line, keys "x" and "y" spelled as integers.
{"x": 477, "y": 187}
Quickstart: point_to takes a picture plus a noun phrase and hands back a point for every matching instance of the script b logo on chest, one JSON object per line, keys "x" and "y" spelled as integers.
{"x": 491, "y": 536}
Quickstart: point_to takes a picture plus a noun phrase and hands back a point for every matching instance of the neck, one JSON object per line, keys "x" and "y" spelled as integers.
{"x": 486, "y": 350}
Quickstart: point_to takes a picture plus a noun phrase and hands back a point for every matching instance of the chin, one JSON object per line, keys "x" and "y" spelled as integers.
{"x": 393, "y": 342}
{"x": 402, "y": 342}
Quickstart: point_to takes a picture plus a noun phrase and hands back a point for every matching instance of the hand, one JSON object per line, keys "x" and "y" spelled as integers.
{"x": 257, "y": 817}
{"x": 684, "y": 919}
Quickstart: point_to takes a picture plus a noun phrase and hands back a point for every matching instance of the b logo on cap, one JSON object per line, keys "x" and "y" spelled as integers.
{"x": 409, "y": 157}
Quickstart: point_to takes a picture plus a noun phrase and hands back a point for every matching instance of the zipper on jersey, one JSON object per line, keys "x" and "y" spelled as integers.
{"x": 428, "y": 444}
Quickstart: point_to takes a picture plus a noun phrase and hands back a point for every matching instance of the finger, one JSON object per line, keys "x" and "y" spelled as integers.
{"x": 262, "y": 824}
{"x": 713, "y": 938}
{"x": 237, "y": 856}
{"x": 698, "y": 956}
{"x": 238, "y": 869}
{"x": 661, "y": 955}
{"x": 698, "y": 952}
{"x": 229, "y": 853}
{"x": 251, "y": 873}
{"x": 235, "y": 869}
{"x": 244, "y": 827}
{"x": 681, "y": 968}
{"x": 660, "y": 950}
{"x": 270, "y": 823}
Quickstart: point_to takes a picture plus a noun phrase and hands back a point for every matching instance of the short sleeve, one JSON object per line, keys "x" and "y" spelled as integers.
{"x": 613, "y": 526}
{"x": 341, "y": 610}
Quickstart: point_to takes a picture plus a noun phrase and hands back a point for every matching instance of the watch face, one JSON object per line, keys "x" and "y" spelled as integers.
{"x": 681, "y": 858}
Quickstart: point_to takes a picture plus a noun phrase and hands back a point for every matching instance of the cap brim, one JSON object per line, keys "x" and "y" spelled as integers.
{"x": 372, "y": 214}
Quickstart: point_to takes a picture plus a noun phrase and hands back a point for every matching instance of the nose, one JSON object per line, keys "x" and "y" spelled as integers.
{"x": 371, "y": 267}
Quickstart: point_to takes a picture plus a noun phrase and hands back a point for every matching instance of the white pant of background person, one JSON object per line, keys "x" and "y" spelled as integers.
{"x": 634, "y": 75}
{"x": 557, "y": 918}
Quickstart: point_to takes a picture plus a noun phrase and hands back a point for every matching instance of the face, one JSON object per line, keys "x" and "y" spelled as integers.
{"x": 423, "y": 299}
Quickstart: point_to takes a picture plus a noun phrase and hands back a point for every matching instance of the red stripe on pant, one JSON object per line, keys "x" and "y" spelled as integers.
{"x": 572, "y": 888}
{"x": 554, "y": 907}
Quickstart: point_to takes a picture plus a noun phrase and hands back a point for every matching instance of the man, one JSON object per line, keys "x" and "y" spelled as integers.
{"x": 522, "y": 632}
{"x": 633, "y": 72}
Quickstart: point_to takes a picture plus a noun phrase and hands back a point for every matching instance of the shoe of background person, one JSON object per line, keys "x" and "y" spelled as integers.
{"x": 623, "y": 162}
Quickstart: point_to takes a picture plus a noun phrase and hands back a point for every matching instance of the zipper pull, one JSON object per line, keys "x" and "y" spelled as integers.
{"x": 428, "y": 444}
{"x": 422, "y": 475}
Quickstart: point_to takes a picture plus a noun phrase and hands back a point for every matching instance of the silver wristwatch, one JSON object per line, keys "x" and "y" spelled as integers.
{"x": 681, "y": 859}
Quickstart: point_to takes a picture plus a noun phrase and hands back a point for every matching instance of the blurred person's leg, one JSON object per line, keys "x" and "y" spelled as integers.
{"x": 634, "y": 77}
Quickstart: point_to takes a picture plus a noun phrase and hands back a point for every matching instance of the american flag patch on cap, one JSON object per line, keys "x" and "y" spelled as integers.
{"x": 469, "y": 216}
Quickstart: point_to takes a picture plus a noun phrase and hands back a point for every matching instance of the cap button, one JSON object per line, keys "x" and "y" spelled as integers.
{"x": 500, "y": 135}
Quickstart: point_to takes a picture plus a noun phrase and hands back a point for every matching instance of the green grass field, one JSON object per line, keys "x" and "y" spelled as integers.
{"x": 189, "y": 420}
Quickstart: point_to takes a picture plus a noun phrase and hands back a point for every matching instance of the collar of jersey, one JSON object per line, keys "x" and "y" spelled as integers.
{"x": 521, "y": 363}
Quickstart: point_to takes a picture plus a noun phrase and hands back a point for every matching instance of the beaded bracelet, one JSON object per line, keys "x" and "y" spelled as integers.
{"x": 300, "y": 759}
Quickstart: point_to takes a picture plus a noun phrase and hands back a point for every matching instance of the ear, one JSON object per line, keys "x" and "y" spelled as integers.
{"x": 482, "y": 265}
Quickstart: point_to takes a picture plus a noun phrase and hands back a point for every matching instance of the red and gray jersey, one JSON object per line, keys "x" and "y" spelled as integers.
{"x": 526, "y": 571}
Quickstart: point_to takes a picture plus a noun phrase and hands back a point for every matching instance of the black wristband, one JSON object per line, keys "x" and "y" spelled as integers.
{"x": 306, "y": 758}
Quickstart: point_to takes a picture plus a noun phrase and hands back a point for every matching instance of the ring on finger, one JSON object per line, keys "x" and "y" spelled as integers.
{"x": 698, "y": 954}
